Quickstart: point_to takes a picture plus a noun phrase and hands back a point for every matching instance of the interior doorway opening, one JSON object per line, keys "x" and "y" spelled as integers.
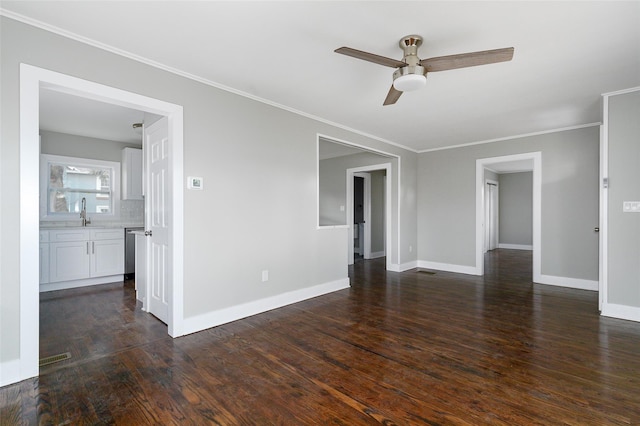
{"x": 380, "y": 172}
{"x": 488, "y": 202}
{"x": 32, "y": 79}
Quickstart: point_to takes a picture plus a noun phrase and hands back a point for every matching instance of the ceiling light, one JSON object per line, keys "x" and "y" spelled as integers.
{"x": 409, "y": 78}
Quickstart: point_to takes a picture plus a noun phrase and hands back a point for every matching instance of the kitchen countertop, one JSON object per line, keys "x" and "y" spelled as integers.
{"x": 49, "y": 227}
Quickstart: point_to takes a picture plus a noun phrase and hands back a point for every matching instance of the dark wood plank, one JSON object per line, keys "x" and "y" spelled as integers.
{"x": 395, "y": 348}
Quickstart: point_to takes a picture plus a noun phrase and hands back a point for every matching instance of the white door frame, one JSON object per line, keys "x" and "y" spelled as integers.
{"x": 366, "y": 214}
{"x": 387, "y": 207}
{"x": 494, "y": 212}
{"x": 603, "y": 253}
{"x": 481, "y": 164}
{"x": 31, "y": 79}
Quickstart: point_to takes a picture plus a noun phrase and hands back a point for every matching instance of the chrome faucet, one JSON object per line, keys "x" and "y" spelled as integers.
{"x": 83, "y": 212}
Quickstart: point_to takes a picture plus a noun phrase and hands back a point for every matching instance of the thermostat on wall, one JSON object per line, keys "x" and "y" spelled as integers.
{"x": 194, "y": 182}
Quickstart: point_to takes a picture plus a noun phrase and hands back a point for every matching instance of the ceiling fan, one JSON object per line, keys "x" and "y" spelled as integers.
{"x": 411, "y": 72}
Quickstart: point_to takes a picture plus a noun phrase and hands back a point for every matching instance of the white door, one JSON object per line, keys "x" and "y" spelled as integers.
{"x": 158, "y": 218}
{"x": 491, "y": 216}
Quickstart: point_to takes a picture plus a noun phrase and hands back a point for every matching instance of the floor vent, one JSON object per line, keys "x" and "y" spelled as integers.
{"x": 426, "y": 272}
{"x": 55, "y": 358}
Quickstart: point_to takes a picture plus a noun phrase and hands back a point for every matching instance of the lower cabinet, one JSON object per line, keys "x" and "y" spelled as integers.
{"x": 84, "y": 254}
{"x": 68, "y": 261}
{"x": 44, "y": 257}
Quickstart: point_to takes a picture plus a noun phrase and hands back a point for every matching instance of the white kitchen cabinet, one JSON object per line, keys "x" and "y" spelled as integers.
{"x": 107, "y": 252}
{"x": 84, "y": 256}
{"x": 131, "y": 170}
{"x": 69, "y": 261}
{"x": 44, "y": 257}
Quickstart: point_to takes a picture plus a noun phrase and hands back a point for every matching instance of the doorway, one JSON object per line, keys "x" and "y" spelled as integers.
{"x": 31, "y": 80}
{"x": 510, "y": 163}
{"x": 369, "y": 212}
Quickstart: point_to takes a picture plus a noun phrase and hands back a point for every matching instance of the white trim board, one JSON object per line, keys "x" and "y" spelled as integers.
{"x": 568, "y": 282}
{"x": 87, "y": 282}
{"x": 402, "y": 267}
{"x": 624, "y": 312}
{"x": 10, "y": 372}
{"x": 515, "y": 246}
{"x": 447, "y": 267}
{"x": 234, "y": 313}
{"x": 507, "y": 138}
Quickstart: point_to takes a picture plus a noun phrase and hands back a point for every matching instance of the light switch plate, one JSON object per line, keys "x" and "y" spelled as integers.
{"x": 194, "y": 182}
{"x": 631, "y": 206}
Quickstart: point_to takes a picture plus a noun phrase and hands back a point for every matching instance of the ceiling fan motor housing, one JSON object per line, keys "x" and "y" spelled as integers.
{"x": 413, "y": 75}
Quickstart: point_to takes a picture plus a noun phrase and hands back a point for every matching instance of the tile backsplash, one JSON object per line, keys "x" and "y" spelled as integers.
{"x": 131, "y": 214}
{"x": 132, "y": 211}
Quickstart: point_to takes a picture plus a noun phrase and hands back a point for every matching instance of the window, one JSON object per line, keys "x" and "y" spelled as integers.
{"x": 66, "y": 181}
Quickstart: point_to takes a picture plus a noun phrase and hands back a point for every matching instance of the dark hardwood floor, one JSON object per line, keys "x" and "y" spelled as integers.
{"x": 396, "y": 348}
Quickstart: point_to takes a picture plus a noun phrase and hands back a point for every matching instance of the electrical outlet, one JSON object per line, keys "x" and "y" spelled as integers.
{"x": 265, "y": 275}
{"x": 410, "y": 249}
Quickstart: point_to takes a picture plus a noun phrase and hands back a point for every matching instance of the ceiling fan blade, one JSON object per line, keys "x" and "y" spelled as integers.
{"x": 392, "y": 96}
{"x": 366, "y": 56}
{"x": 463, "y": 60}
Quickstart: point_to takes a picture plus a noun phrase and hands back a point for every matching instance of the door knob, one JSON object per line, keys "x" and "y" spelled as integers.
{"x": 596, "y": 229}
{"x": 147, "y": 233}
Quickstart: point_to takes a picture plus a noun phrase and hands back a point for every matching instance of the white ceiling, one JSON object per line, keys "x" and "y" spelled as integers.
{"x": 566, "y": 55}
{"x": 64, "y": 113}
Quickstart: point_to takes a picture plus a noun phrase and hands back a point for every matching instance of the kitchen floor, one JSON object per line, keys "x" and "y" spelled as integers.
{"x": 93, "y": 322}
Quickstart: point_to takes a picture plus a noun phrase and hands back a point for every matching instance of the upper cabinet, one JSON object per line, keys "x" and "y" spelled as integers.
{"x": 132, "y": 174}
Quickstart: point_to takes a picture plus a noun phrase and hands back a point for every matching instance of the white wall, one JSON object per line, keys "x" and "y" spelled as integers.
{"x": 446, "y": 201}
{"x": 258, "y": 207}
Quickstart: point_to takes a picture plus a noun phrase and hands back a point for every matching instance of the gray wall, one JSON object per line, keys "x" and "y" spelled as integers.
{"x": 624, "y": 185}
{"x": 446, "y": 201}
{"x": 333, "y": 187}
{"x": 516, "y": 208}
{"x": 259, "y": 166}
{"x": 377, "y": 211}
{"x": 79, "y": 146}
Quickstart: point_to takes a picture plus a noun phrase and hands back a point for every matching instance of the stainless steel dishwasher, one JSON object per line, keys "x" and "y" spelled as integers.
{"x": 130, "y": 252}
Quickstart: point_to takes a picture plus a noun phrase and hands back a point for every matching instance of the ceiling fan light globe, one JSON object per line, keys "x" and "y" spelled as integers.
{"x": 409, "y": 82}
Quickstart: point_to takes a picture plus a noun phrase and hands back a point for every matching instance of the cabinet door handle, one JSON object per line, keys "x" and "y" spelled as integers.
{"x": 87, "y": 247}
{"x": 93, "y": 247}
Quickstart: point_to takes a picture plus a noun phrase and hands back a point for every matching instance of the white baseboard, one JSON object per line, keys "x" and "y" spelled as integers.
{"x": 448, "y": 267}
{"x": 567, "y": 282}
{"x": 63, "y": 285}
{"x": 630, "y": 313}
{"x": 395, "y": 267}
{"x": 377, "y": 254}
{"x": 233, "y": 313}
{"x": 515, "y": 246}
{"x": 10, "y": 372}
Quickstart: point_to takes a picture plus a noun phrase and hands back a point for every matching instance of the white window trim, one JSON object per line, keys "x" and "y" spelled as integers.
{"x": 46, "y": 159}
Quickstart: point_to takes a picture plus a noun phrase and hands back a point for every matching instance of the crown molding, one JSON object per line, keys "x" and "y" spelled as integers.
{"x": 73, "y": 36}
